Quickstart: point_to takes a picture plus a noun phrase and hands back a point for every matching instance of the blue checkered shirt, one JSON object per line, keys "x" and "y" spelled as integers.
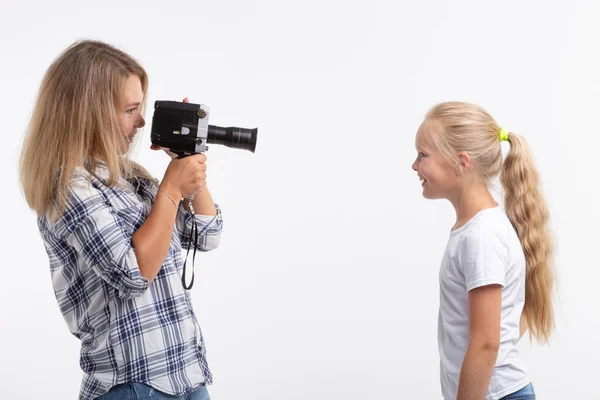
{"x": 129, "y": 331}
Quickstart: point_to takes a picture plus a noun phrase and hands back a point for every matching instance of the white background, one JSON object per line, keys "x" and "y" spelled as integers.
{"x": 325, "y": 284}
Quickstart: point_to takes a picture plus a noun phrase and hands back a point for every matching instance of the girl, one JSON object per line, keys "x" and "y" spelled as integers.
{"x": 495, "y": 276}
{"x": 113, "y": 234}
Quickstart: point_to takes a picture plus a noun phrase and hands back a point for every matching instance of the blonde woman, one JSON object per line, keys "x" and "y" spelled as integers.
{"x": 495, "y": 277}
{"x": 113, "y": 233}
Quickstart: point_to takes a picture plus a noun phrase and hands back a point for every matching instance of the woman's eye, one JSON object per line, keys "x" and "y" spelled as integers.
{"x": 131, "y": 111}
{"x": 422, "y": 154}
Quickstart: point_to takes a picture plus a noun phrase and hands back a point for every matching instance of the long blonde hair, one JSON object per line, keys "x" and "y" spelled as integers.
{"x": 469, "y": 128}
{"x": 74, "y": 123}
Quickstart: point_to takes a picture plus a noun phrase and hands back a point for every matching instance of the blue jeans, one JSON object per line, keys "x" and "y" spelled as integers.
{"x": 526, "y": 393}
{"x": 140, "y": 391}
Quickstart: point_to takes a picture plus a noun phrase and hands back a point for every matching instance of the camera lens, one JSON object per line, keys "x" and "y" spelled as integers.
{"x": 234, "y": 137}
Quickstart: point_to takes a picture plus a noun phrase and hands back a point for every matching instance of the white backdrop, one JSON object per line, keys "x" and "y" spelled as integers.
{"x": 325, "y": 284}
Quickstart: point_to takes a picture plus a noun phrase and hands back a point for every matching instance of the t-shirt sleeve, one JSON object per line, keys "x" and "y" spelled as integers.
{"x": 483, "y": 257}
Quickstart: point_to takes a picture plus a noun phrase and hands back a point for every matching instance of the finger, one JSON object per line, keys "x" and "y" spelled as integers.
{"x": 199, "y": 179}
{"x": 200, "y": 158}
{"x": 155, "y": 147}
{"x": 186, "y": 100}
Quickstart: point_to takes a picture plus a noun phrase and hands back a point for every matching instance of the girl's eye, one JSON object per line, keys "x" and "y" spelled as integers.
{"x": 131, "y": 111}
{"x": 422, "y": 154}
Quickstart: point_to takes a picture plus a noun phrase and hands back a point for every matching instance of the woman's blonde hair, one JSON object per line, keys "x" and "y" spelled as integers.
{"x": 468, "y": 128}
{"x": 74, "y": 123}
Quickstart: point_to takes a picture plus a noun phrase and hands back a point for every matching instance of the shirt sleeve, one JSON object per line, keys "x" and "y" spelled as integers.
{"x": 483, "y": 258}
{"x": 98, "y": 233}
{"x": 209, "y": 229}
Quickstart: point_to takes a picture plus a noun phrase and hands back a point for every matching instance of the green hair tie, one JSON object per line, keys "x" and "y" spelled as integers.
{"x": 503, "y": 135}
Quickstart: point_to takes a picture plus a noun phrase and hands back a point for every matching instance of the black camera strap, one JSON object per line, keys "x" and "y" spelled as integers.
{"x": 194, "y": 234}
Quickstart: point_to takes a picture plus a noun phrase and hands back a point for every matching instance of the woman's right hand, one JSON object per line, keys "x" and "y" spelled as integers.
{"x": 186, "y": 176}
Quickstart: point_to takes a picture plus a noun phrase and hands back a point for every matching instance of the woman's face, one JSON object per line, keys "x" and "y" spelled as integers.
{"x": 129, "y": 113}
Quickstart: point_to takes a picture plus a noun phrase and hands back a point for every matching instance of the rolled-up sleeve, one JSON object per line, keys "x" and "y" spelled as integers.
{"x": 100, "y": 236}
{"x": 209, "y": 229}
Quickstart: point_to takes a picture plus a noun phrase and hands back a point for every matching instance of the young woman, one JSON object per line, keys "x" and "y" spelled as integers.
{"x": 113, "y": 233}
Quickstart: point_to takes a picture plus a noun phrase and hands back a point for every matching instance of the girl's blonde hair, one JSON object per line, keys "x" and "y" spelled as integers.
{"x": 468, "y": 128}
{"x": 74, "y": 123}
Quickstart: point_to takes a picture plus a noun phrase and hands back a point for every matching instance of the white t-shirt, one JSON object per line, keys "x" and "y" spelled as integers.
{"x": 486, "y": 250}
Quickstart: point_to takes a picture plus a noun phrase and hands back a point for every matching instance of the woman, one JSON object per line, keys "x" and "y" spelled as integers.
{"x": 113, "y": 233}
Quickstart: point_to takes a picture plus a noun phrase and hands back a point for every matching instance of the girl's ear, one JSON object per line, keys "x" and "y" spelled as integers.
{"x": 464, "y": 162}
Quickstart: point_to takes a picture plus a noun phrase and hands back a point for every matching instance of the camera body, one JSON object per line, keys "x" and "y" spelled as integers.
{"x": 183, "y": 129}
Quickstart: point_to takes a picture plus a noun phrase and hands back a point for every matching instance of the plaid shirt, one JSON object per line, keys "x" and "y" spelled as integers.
{"x": 130, "y": 331}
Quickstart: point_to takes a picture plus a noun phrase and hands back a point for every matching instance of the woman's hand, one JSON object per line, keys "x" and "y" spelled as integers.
{"x": 185, "y": 177}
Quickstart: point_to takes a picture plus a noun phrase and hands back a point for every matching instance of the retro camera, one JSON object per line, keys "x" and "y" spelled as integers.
{"x": 183, "y": 129}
